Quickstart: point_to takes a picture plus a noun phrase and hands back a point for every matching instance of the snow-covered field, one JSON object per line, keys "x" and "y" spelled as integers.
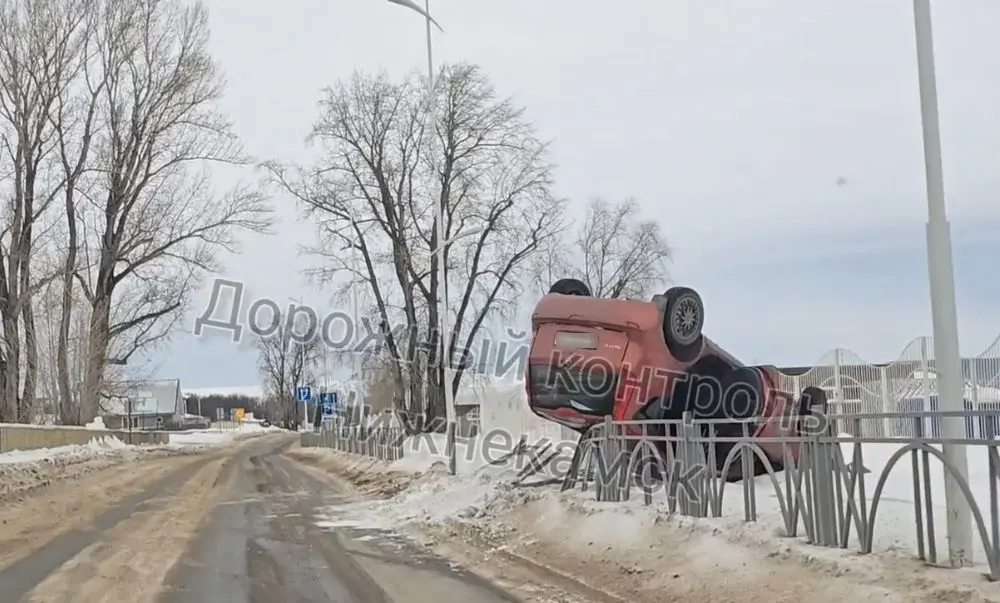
{"x": 627, "y": 545}
{"x": 217, "y": 436}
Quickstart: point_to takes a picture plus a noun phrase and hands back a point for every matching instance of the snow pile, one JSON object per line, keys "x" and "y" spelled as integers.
{"x": 436, "y": 498}
{"x": 254, "y": 426}
{"x": 201, "y": 437}
{"x": 217, "y": 436}
{"x": 429, "y": 451}
{"x": 483, "y": 499}
{"x": 96, "y": 425}
{"x": 96, "y": 447}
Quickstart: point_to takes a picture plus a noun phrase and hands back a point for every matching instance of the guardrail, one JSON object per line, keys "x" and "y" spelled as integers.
{"x": 830, "y": 489}
{"x": 379, "y": 442}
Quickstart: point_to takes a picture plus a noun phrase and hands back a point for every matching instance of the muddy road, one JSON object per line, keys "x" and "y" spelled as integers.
{"x": 230, "y": 526}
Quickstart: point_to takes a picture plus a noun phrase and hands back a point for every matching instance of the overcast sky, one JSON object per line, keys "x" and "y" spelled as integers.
{"x": 777, "y": 142}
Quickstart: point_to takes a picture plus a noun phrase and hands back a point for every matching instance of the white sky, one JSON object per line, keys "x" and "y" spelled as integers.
{"x": 731, "y": 122}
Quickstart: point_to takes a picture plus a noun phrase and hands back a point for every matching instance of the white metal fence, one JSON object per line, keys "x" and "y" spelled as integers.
{"x": 829, "y": 492}
{"x": 905, "y": 385}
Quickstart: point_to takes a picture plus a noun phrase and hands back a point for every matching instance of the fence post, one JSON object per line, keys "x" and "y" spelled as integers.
{"x": 982, "y": 419}
{"x": 925, "y": 385}
{"x": 838, "y": 392}
{"x": 887, "y": 424}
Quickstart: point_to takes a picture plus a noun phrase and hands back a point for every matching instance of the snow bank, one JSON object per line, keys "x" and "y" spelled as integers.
{"x": 427, "y": 451}
{"x": 96, "y": 447}
{"x": 218, "y": 436}
{"x": 96, "y": 425}
{"x": 201, "y": 437}
{"x": 483, "y": 495}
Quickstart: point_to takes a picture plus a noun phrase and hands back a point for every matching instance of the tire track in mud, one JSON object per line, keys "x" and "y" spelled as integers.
{"x": 28, "y": 525}
{"x": 128, "y": 560}
{"x": 55, "y": 528}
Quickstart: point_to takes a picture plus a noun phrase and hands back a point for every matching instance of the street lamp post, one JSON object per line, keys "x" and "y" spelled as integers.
{"x": 947, "y": 361}
{"x": 355, "y": 308}
{"x": 439, "y": 214}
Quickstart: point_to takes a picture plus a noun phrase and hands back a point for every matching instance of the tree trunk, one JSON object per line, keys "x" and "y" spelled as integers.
{"x": 31, "y": 362}
{"x": 69, "y": 414}
{"x": 97, "y": 353}
{"x": 12, "y": 368}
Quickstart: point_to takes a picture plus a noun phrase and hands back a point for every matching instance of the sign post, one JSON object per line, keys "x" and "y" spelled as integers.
{"x": 304, "y": 394}
{"x": 328, "y": 402}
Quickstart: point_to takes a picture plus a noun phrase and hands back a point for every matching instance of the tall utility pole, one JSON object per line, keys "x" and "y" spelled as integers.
{"x": 947, "y": 362}
{"x": 444, "y": 359}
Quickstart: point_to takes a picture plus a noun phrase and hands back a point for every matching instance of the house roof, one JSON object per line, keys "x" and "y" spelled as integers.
{"x": 161, "y": 397}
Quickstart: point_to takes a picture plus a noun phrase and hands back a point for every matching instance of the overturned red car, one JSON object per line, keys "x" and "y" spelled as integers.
{"x": 638, "y": 360}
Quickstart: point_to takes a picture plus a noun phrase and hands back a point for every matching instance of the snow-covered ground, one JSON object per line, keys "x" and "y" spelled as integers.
{"x": 96, "y": 447}
{"x": 545, "y": 523}
{"x": 105, "y": 445}
{"x": 218, "y": 436}
{"x": 25, "y": 471}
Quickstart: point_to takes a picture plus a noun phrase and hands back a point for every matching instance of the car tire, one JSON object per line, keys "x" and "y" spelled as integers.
{"x": 813, "y": 402}
{"x": 570, "y": 286}
{"x": 682, "y": 321}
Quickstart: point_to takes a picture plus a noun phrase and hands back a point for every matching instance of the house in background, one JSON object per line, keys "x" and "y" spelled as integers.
{"x": 145, "y": 405}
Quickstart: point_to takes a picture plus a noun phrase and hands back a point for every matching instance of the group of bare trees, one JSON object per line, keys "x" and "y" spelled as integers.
{"x": 613, "y": 250}
{"x": 285, "y": 361}
{"x": 385, "y": 168}
{"x": 108, "y": 139}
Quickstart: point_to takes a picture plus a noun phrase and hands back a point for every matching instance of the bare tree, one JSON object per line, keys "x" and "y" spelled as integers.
{"x": 383, "y": 171}
{"x": 155, "y": 221}
{"x": 75, "y": 122}
{"x": 285, "y": 361}
{"x": 613, "y": 250}
{"x": 39, "y": 46}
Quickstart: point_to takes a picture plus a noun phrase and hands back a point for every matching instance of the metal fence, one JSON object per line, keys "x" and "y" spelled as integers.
{"x": 377, "y": 441}
{"x": 832, "y": 490}
{"x": 905, "y": 385}
{"x": 839, "y": 491}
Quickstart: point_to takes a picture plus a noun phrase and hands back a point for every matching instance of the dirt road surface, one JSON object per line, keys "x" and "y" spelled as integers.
{"x": 230, "y": 526}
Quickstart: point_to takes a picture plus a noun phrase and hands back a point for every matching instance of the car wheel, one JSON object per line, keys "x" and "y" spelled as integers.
{"x": 682, "y": 322}
{"x": 570, "y": 286}
{"x": 813, "y": 403}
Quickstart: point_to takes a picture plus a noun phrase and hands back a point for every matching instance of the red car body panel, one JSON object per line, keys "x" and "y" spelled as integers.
{"x": 627, "y": 337}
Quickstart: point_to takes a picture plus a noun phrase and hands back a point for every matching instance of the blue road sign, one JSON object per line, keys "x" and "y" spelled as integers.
{"x": 328, "y": 400}
{"x": 304, "y": 393}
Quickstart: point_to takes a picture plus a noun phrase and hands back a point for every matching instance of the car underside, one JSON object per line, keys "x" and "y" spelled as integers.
{"x": 636, "y": 360}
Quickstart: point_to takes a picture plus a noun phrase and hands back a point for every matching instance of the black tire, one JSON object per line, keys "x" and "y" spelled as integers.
{"x": 570, "y": 286}
{"x": 682, "y": 322}
{"x": 813, "y": 400}
{"x": 813, "y": 403}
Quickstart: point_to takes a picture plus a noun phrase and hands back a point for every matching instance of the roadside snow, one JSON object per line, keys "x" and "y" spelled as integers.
{"x": 542, "y": 523}
{"x": 201, "y": 437}
{"x": 96, "y": 425}
{"x": 95, "y": 447}
{"x": 216, "y": 436}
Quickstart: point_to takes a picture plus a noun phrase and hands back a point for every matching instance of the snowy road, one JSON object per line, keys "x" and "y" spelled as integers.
{"x": 230, "y": 526}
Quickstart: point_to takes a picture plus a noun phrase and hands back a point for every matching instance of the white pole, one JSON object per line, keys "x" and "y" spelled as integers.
{"x": 439, "y": 217}
{"x": 947, "y": 361}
